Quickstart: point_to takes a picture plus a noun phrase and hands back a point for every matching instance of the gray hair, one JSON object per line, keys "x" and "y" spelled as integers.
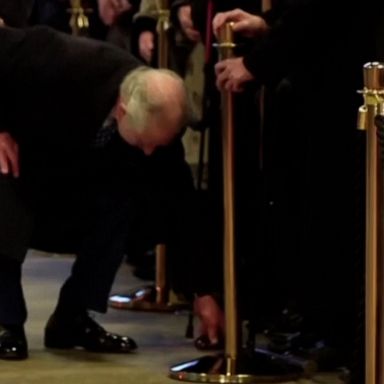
{"x": 141, "y": 104}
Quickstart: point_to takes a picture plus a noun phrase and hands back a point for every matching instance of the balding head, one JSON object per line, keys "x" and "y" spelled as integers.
{"x": 152, "y": 109}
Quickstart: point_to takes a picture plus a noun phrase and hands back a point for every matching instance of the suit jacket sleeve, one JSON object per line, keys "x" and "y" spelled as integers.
{"x": 55, "y": 85}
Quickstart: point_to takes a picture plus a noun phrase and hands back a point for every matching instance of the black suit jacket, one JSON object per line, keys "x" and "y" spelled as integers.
{"x": 56, "y": 92}
{"x": 57, "y": 89}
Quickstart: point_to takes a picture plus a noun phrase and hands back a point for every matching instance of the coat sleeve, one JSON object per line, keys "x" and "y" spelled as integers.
{"x": 75, "y": 78}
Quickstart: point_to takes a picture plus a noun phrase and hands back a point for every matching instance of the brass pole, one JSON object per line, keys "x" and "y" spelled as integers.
{"x": 226, "y": 45}
{"x": 373, "y": 96}
{"x": 161, "y": 260}
{"x": 266, "y": 5}
{"x": 79, "y": 21}
{"x": 162, "y": 31}
{"x": 157, "y": 297}
{"x": 161, "y": 276}
{"x": 235, "y": 366}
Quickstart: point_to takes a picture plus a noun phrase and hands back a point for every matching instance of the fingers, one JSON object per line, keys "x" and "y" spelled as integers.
{"x": 221, "y": 18}
{"x": 192, "y": 34}
{"x": 221, "y": 67}
{"x": 114, "y": 3}
{"x": 218, "y": 21}
{"x": 222, "y": 79}
{"x": 9, "y": 155}
{"x": 14, "y": 160}
{"x": 213, "y": 333}
{"x": 109, "y": 10}
{"x": 124, "y": 5}
{"x": 241, "y": 26}
{"x": 231, "y": 75}
{"x": 120, "y": 5}
{"x": 186, "y": 23}
{"x": 223, "y": 74}
{"x": 4, "y": 166}
{"x": 210, "y": 325}
{"x": 211, "y": 317}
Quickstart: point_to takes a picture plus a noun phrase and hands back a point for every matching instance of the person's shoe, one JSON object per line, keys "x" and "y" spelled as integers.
{"x": 86, "y": 333}
{"x": 13, "y": 344}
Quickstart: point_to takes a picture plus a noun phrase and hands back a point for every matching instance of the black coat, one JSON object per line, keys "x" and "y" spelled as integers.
{"x": 57, "y": 90}
{"x": 312, "y": 58}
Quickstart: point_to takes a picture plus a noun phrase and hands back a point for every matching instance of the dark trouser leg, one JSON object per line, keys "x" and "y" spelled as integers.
{"x": 15, "y": 232}
{"x": 94, "y": 270}
{"x": 12, "y": 305}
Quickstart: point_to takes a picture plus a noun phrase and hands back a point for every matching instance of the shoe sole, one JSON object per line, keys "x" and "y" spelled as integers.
{"x": 51, "y": 343}
{"x": 14, "y": 357}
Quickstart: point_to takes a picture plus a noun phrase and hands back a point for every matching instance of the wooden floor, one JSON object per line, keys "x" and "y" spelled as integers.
{"x": 160, "y": 337}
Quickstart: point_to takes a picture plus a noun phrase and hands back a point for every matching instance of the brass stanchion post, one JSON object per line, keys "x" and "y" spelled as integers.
{"x": 161, "y": 276}
{"x": 162, "y": 28}
{"x": 226, "y": 46}
{"x": 162, "y": 294}
{"x": 154, "y": 298}
{"x": 373, "y": 93}
{"x": 79, "y": 21}
{"x": 235, "y": 365}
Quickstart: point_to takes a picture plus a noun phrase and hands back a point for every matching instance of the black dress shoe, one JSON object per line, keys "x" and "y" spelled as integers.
{"x": 86, "y": 333}
{"x": 13, "y": 344}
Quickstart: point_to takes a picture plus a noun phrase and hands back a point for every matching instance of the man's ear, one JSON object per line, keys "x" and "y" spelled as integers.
{"x": 120, "y": 110}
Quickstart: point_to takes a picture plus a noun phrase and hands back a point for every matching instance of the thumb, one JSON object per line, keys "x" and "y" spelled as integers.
{"x": 212, "y": 333}
{"x": 241, "y": 26}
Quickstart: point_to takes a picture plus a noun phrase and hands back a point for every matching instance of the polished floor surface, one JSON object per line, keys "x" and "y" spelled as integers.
{"x": 160, "y": 337}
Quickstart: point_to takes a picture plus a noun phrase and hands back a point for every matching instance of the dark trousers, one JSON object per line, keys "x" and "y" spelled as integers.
{"x": 106, "y": 215}
{"x": 98, "y": 256}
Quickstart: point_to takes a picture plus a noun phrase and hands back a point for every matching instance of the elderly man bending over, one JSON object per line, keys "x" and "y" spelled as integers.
{"x": 77, "y": 116}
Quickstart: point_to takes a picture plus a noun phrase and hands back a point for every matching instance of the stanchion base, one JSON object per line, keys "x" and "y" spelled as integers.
{"x": 260, "y": 366}
{"x": 143, "y": 299}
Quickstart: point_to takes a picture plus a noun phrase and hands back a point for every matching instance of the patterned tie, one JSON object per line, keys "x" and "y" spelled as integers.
{"x": 105, "y": 133}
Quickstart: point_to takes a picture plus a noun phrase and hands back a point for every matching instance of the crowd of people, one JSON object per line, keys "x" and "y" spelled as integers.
{"x": 97, "y": 114}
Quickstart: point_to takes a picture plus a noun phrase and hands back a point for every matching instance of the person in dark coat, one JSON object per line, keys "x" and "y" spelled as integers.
{"x": 312, "y": 142}
{"x": 58, "y": 97}
{"x": 194, "y": 18}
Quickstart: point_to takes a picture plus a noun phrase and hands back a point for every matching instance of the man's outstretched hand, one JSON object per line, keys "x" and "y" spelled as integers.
{"x": 211, "y": 317}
